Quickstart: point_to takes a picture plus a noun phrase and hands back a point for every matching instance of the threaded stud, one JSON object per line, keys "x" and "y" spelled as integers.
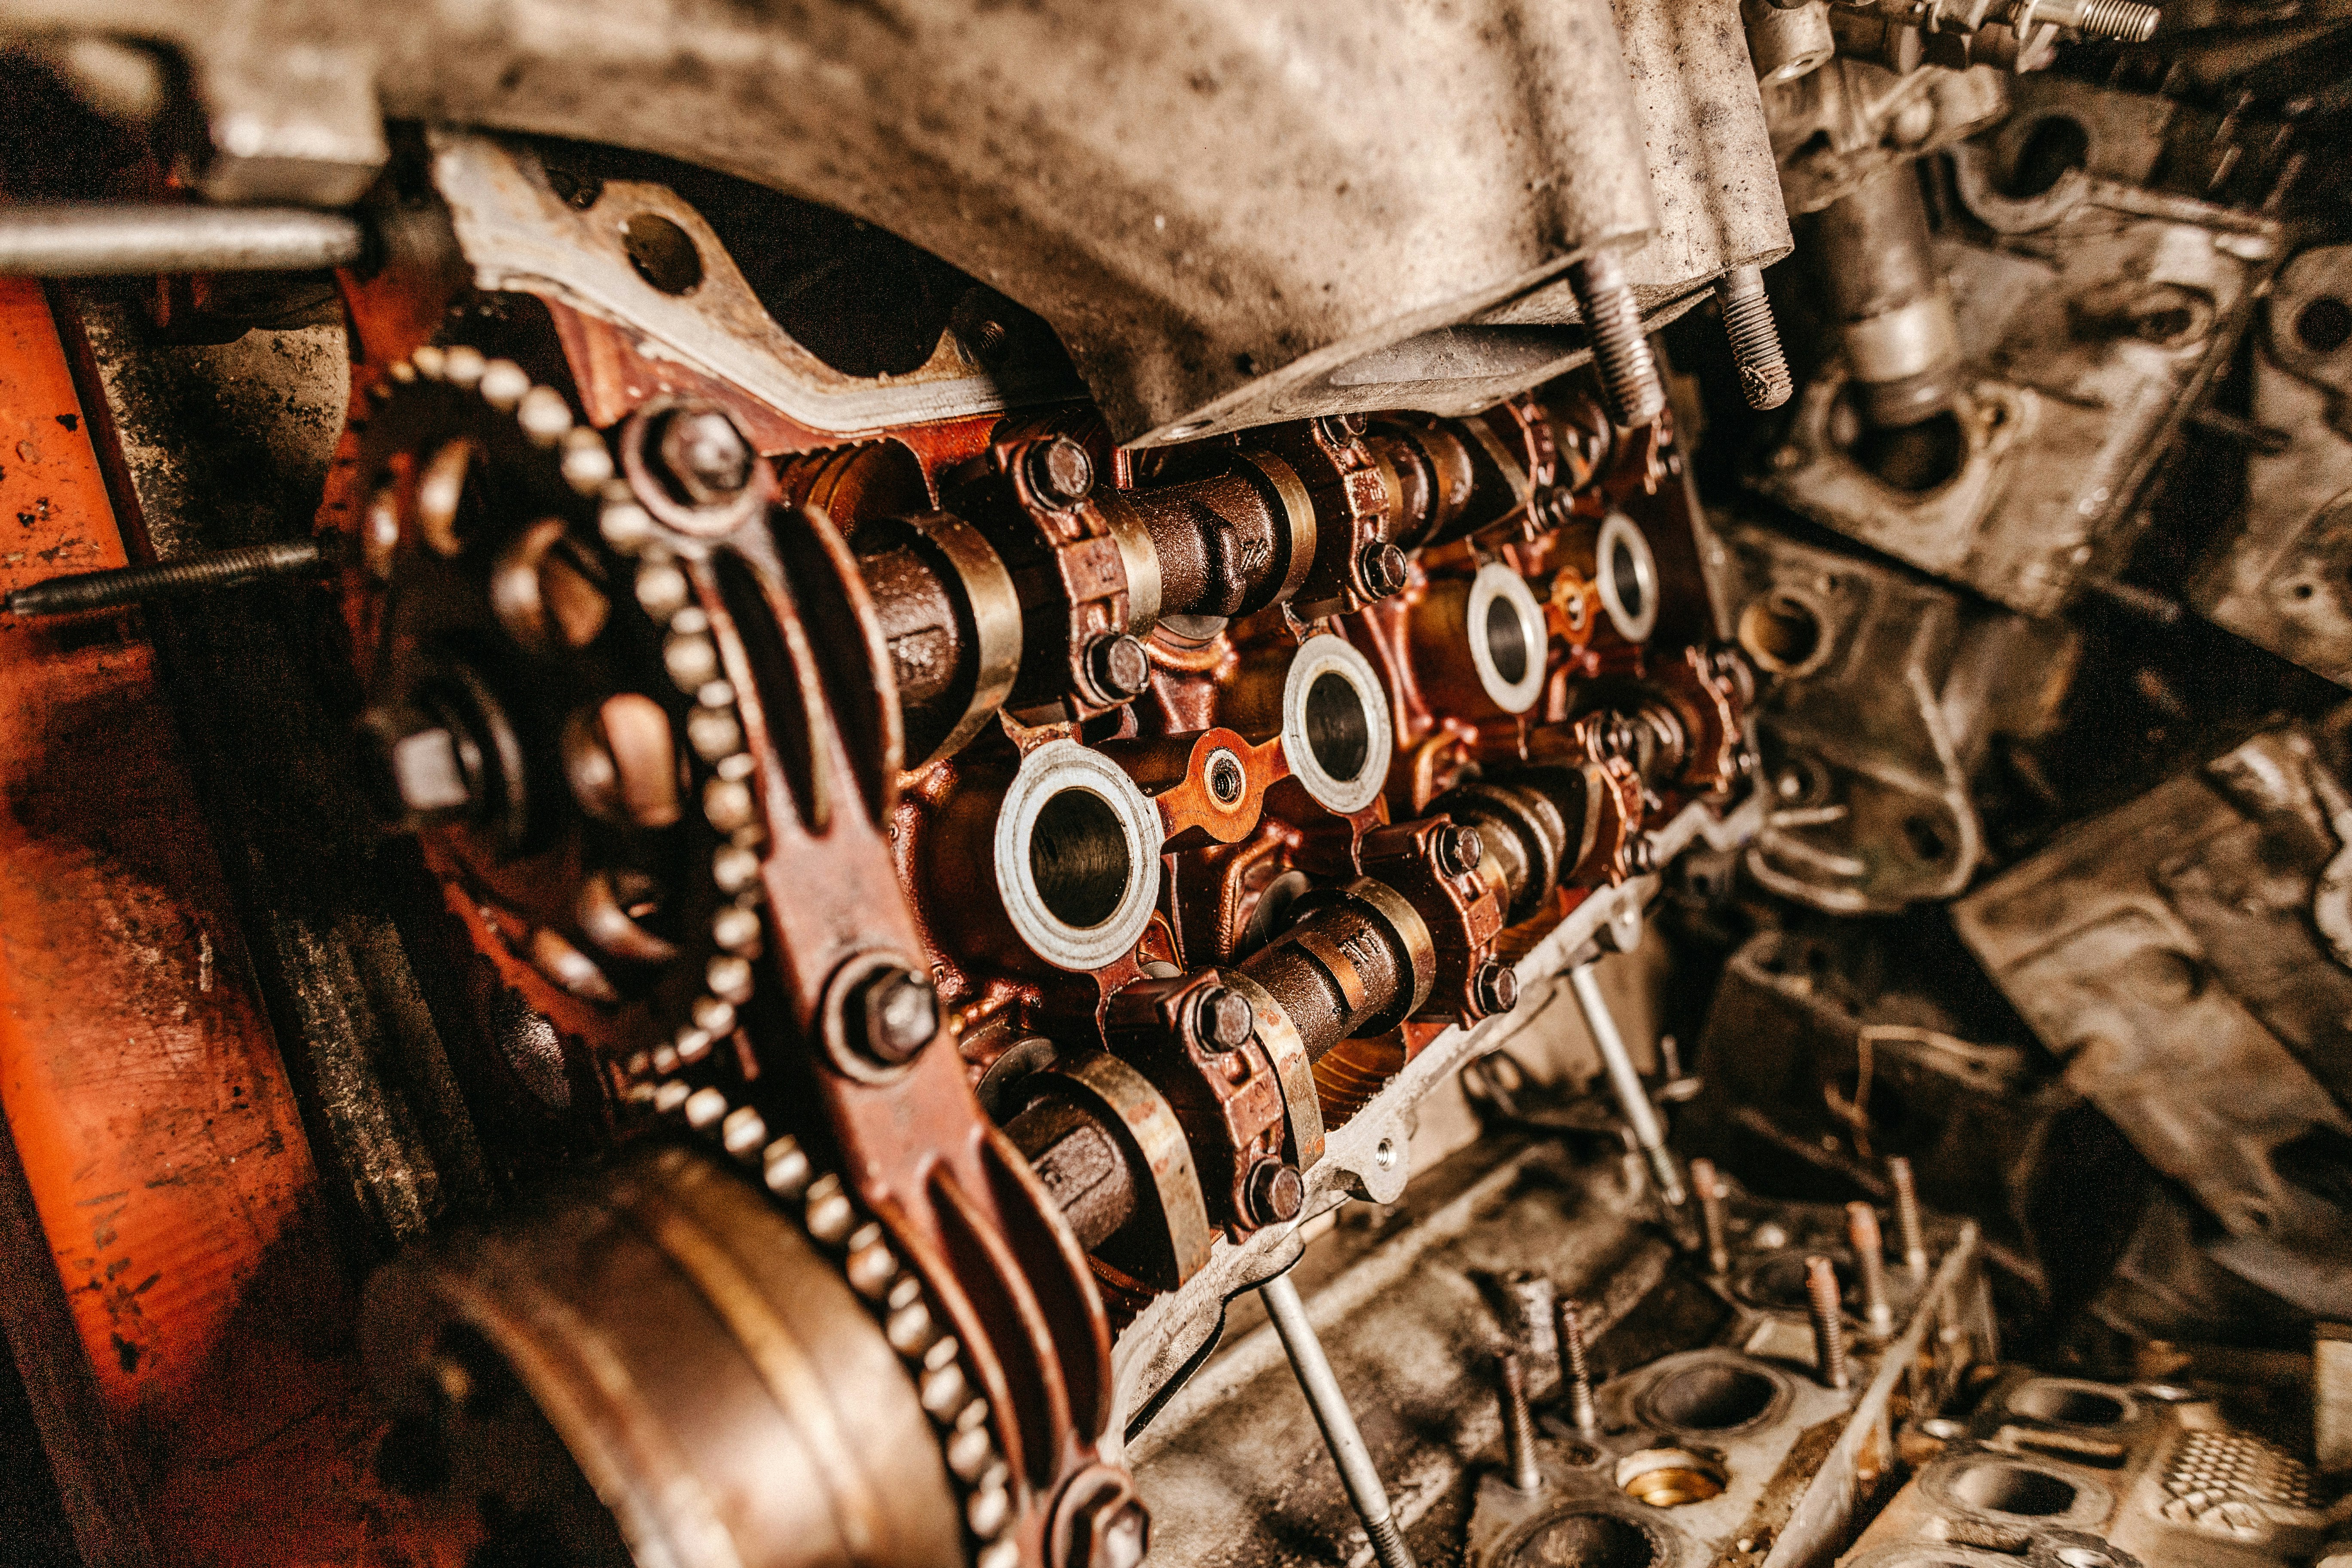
{"x": 1755, "y": 339}
{"x": 2125, "y": 21}
{"x": 1908, "y": 1228}
{"x": 1863, "y": 1235}
{"x": 1519, "y": 1427}
{"x": 1822, "y": 1305}
{"x": 1709, "y": 1188}
{"x": 1630, "y": 389}
{"x": 1574, "y": 1371}
{"x": 190, "y": 575}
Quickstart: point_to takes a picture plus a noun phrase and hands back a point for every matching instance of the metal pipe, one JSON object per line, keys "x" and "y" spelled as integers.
{"x": 1339, "y": 1422}
{"x": 1631, "y": 1098}
{"x": 90, "y": 240}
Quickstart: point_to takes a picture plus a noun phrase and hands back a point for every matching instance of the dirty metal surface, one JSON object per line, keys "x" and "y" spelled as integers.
{"x": 2163, "y": 952}
{"x": 159, "y": 1146}
{"x": 1410, "y": 1302}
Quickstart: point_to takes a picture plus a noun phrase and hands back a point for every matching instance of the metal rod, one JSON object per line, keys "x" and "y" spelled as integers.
{"x": 1631, "y": 1098}
{"x": 188, "y": 574}
{"x": 1709, "y": 1188}
{"x": 1339, "y": 1422}
{"x": 1822, "y": 1305}
{"x": 1863, "y": 1235}
{"x": 1908, "y": 1228}
{"x": 78, "y": 240}
{"x": 1575, "y": 1371}
{"x": 1519, "y": 1427}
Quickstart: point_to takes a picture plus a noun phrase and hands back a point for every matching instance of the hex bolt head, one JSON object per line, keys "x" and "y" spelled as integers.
{"x": 1497, "y": 988}
{"x": 1273, "y": 1192}
{"x": 704, "y": 456}
{"x": 1118, "y": 667}
{"x": 1382, "y": 565}
{"x": 1225, "y": 1018}
{"x": 1459, "y": 849}
{"x": 1059, "y": 472}
{"x": 893, "y": 1014}
{"x": 1115, "y": 1533}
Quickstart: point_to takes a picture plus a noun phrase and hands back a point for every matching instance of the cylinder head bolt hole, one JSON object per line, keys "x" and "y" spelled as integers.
{"x": 1782, "y": 633}
{"x": 2324, "y": 325}
{"x": 1077, "y": 852}
{"x": 663, "y": 253}
{"x": 2068, "y": 1405}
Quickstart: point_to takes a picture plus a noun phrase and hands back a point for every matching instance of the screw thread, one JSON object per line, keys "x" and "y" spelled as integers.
{"x": 1908, "y": 1228}
{"x": 1829, "y": 1321}
{"x": 1519, "y": 1427}
{"x": 1629, "y": 388}
{"x": 1388, "y": 1543}
{"x": 2125, "y": 21}
{"x": 1709, "y": 1188}
{"x": 1863, "y": 1235}
{"x": 1755, "y": 349}
{"x": 132, "y": 584}
{"x": 1574, "y": 1370}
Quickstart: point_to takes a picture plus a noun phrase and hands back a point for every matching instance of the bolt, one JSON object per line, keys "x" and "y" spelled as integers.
{"x": 1755, "y": 340}
{"x": 704, "y": 456}
{"x": 189, "y": 574}
{"x": 1710, "y": 1213}
{"x": 1113, "y": 1534}
{"x": 1519, "y": 1428}
{"x": 1870, "y": 1258}
{"x": 1574, "y": 1370}
{"x": 1118, "y": 667}
{"x": 1226, "y": 780}
{"x": 1497, "y": 987}
{"x": 1641, "y": 855}
{"x": 1907, "y": 1216}
{"x": 896, "y": 1012}
{"x": 1059, "y": 472}
{"x": 1829, "y": 1321}
{"x": 1629, "y": 388}
{"x": 1382, "y": 566}
{"x": 1223, "y": 1018}
{"x": 1272, "y": 1193}
{"x": 1533, "y": 1329}
{"x": 1459, "y": 849}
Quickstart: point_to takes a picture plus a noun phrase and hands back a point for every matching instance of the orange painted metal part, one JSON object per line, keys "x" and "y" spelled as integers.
{"x": 159, "y": 1141}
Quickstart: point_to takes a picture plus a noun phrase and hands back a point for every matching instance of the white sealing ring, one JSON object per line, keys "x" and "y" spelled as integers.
{"x": 1508, "y": 639}
{"x": 1628, "y": 575}
{"x": 1336, "y": 731}
{"x": 1078, "y": 857}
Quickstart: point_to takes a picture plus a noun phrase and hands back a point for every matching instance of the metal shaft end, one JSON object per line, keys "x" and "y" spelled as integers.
{"x": 1575, "y": 1371}
{"x": 1755, "y": 340}
{"x": 1519, "y": 1426}
{"x": 1629, "y": 388}
{"x": 1709, "y": 1188}
{"x": 1863, "y": 1235}
{"x": 1908, "y": 1229}
{"x": 1829, "y": 1321}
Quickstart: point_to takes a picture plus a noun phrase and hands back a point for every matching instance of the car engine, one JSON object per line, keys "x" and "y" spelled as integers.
{"x": 923, "y": 784}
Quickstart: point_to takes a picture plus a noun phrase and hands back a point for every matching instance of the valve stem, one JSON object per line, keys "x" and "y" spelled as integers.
{"x": 1907, "y": 1216}
{"x": 1629, "y": 388}
{"x": 1574, "y": 1371}
{"x": 170, "y": 579}
{"x": 1755, "y": 340}
{"x": 1862, "y": 1234}
{"x": 1829, "y": 1321}
{"x": 1710, "y": 1188}
{"x": 1519, "y": 1427}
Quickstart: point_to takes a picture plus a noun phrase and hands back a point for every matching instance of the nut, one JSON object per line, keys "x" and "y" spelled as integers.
{"x": 893, "y": 1014}
{"x": 703, "y": 456}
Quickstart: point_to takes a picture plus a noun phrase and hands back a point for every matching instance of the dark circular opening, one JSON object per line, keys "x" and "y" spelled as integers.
{"x": 1712, "y": 1398}
{"x": 663, "y": 253}
{"x": 1625, "y": 577}
{"x": 2073, "y": 1407}
{"x": 2055, "y": 145}
{"x": 2013, "y": 1489}
{"x": 1587, "y": 1540}
{"x": 1225, "y": 781}
{"x": 1780, "y": 633}
{"x": 1338, "y": 732}
{"x": 1507, "y": 640}
{"x": 2325, "y": 325}
{"x": 1926, "y": 843}
{"x": 1914, "y": 459}
{"x": 1078, "y": 858}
